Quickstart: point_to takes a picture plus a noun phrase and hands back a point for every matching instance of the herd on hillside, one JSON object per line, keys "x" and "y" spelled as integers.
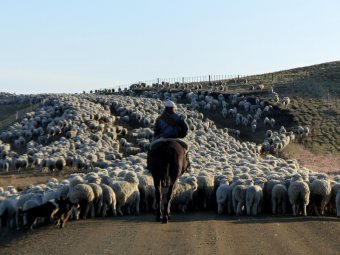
{"x": 105, "y": 138}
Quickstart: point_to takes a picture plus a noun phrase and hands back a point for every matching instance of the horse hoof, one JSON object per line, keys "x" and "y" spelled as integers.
{"x": 165, "y": 220}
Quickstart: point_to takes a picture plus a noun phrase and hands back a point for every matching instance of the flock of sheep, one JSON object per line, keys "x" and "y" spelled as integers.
{"x": 88, "y": 132}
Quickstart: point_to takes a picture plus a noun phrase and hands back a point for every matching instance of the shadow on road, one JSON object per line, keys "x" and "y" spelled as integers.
{"x": 7, "y": 236}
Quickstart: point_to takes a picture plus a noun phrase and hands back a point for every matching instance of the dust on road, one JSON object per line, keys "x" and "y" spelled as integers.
{"x": 197, "y": 233}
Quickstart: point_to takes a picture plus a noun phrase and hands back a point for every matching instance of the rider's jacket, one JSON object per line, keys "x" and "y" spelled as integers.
{"x": 170, "y": 125}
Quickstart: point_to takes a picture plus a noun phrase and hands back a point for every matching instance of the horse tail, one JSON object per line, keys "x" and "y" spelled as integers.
{"x": 165, "y": 178}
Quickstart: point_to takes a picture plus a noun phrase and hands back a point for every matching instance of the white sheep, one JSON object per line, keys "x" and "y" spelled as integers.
{"x": 320, "y": 192}
{"x": 266, "y": 121}
{"x": 83, "y": 195}
{"x": 98, "y": 198}
{"x": 239, "y": 198}
{"x": 127, "y": 193}
{"x": 109, "y": 200}
{"x": 254, "y": 198}
{"x": 298, "y": 193}
{"x": 224, "y": 198}
{"x": 8, "y": 211}
{"x": 182, "y": 194}
{"x": 335, "y": 190}
{"x": 205, "y": 190}
{"x": 279, "y": 199}
{"x": 285, "y": 101}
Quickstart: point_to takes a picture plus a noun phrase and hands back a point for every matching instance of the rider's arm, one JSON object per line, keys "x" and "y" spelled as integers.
{"x": 157, "y": 129}
{"x": 184, "y": 126}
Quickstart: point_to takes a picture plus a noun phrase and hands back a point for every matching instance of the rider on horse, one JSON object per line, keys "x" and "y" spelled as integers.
{"x": 169, "y": 124}
{"x": 167, "y": 157}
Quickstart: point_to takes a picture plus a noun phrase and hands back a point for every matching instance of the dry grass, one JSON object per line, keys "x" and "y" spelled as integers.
{"x": 8, "y": 110}
{"x": 23, "y": 179}
{"x": 315, "y": 94}
{"x": 326, "y": 163}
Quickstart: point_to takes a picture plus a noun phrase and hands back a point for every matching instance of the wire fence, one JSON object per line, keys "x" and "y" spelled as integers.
{"x": 213, "y": 79}
{"x": 182, "y": 80}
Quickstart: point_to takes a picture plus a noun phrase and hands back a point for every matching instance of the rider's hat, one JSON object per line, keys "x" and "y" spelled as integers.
{"x": 169, "y": 104}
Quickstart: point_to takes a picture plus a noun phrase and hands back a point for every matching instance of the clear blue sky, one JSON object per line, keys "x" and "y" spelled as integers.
{"x": 71, "y": 46}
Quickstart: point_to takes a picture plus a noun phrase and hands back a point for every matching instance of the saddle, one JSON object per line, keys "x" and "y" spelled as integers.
{"x": 160, "y": 140}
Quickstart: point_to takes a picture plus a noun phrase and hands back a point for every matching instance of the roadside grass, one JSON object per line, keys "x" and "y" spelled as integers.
{"x": 327, "y": 163}
{"x": 28, "y": 177}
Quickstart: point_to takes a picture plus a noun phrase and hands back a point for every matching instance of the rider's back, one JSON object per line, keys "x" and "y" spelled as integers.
{"x": 170, "y": 125}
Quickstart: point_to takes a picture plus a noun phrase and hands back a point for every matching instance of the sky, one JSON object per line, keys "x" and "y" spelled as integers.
{"x": 75, "y": 45}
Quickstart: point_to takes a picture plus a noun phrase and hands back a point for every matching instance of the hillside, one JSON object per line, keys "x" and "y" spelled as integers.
{"x": 314, "y": 92}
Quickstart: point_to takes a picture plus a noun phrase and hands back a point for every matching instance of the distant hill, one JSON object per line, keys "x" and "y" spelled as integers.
{"x": 315, "y": 94}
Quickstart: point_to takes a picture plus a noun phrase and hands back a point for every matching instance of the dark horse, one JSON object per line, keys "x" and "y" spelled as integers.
{"x": 167, "y": 161}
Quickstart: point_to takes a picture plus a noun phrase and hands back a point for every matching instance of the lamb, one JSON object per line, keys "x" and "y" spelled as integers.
{"x": 266, "y": 121}
{"x": 239, "y": 198}
{"x": 182, "y": 194}
{"x": 298, "y": 193}
{"x": 320, "y": 195}
{"x": 98, "y": 198}
{"x": 109, "y": 200}
{"x": 267, "y": 193}
{"x": 71, "y": 134}
{"x": 279, "y": 199}
{"x": 21, "y": 162}
{"x": 150, "y": 196}
{"x": 286, "y": 101}
{"x": 127, "y": 193}
{"x": 51, "y": 164}
{"x": 303, "y": 131}
{"x": 282, "y": 130}
{"x": 60, "y": 164}
{"x": 83, "y": 195}
{"x": 224, "y": 198}
{"x": 205, "y": 190}
{"x": 335, "y": 190}
{"x": 254, "y": 198}
{"x": 74, "y": 180}
{"x": 8, "y": 212}
{"x": 253, "y": 127}
{"x": 4, "y": 165}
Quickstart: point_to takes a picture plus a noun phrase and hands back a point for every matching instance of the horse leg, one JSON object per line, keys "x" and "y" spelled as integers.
{"x": 166, "y": 213}
{"x": 158, "y": 199}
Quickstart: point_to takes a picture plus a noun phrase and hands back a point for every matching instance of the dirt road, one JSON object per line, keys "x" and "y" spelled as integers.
{"x": 197, "y": 233}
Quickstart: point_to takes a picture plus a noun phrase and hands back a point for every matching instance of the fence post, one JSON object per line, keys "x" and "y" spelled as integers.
{"x": 209, "y": 78}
